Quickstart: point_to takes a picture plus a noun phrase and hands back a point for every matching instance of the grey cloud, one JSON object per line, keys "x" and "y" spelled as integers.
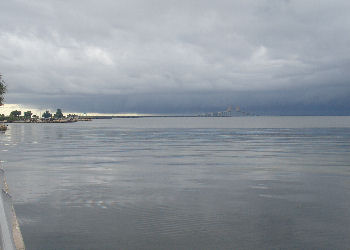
{"x": 161, "y": 56}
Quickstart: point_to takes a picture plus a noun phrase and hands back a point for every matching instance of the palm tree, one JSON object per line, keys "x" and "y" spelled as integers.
{"x": 2, "y": 90}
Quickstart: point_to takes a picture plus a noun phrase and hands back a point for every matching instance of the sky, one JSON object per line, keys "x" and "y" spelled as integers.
{"x": 267, "y": 56}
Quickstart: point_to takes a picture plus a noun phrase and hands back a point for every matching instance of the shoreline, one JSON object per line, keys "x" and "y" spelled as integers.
{"x": 48, "y": 121}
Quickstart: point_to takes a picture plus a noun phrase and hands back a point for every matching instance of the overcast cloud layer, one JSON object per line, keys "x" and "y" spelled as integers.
{"x": 268, "y": 56}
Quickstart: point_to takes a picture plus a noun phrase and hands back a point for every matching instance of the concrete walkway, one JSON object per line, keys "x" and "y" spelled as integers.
{"x": 10, "y": 233}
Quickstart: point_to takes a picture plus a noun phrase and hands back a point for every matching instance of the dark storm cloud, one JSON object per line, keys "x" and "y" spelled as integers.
{"x": 177, "y": 56}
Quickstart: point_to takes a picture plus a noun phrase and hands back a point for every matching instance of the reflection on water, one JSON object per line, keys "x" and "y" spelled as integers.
{"x": 182, "y": 183}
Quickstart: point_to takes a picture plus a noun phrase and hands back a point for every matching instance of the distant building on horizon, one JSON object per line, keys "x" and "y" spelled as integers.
{"x": 227, "y": 113}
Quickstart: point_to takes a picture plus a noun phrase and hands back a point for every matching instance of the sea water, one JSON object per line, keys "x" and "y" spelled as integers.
{"x": 181, "y": 183}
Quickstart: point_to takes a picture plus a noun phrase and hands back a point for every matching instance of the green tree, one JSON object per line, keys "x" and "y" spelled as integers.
{"x": 15, "y": 113}
{"x": 58, "y": 114}
{"x": 47, "y": 114}
{"x": 28, "y": 114}
{"x": 2, "y": 90}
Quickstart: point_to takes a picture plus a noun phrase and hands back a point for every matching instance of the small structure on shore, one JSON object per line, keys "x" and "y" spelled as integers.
{"x": 3, "y": 127}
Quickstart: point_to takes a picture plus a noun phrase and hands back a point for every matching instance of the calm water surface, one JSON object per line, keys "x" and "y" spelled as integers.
{"x": 182, "y": 183}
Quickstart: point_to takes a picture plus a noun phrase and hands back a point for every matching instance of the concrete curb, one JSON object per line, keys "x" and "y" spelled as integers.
{"x": 11, "y": 236}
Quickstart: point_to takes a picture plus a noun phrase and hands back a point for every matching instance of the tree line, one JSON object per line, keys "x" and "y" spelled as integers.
{"x": 16, "y": 115}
